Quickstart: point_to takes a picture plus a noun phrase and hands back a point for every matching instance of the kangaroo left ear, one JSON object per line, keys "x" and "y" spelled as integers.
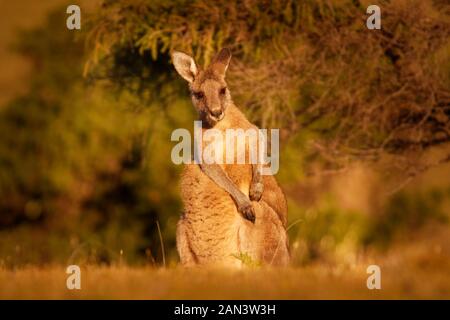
{"x": 221, "y": 61}
{"x": 185, "y": 65}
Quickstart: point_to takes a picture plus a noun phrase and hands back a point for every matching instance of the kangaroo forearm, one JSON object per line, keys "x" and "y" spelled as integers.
{"x": 257, "y": 186}
{"x": 243, "y": 203}
{"x": 256, "y": 173}
{"x": 216, "y": 174}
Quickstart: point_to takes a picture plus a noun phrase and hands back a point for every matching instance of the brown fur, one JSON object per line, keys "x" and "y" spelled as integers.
{"x": 211, "y": 230}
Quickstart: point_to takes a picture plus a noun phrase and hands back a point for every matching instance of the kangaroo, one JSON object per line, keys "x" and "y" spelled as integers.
{"x": 231, "y": 211}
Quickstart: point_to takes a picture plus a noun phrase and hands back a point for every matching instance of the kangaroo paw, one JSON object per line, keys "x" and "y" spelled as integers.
{"x": 247, "y": 211}
{"x": 256, "y": 191}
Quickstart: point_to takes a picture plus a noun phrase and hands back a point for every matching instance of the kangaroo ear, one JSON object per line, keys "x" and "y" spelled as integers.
{"x": 185, "y": 65}
{"x": 221, "y": 61}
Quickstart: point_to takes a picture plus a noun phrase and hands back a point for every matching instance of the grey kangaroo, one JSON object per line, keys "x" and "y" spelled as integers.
{"x": 231, "y": 211}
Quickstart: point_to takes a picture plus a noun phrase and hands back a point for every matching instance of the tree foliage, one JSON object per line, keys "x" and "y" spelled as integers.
{"x": 309, "y": 67}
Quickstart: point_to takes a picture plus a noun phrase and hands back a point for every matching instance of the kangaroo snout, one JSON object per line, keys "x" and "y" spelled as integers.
{"x": 217, "y": 115}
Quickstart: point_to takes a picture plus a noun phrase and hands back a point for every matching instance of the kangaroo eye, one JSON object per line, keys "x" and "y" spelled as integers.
{"x": 223, "y": 91}
{"x": 198, "y": 95}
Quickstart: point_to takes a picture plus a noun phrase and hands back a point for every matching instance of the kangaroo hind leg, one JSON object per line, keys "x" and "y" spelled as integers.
{"x": 185, "y": 252}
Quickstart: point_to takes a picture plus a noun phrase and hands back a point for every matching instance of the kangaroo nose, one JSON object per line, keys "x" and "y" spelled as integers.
{"x": 216, "y": 113}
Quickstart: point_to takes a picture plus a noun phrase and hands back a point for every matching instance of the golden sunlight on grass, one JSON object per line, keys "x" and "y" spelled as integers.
{"x": 313, "y": 282}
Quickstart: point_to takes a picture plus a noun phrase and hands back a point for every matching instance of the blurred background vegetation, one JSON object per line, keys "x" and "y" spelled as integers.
{"x": 86, "y": 118}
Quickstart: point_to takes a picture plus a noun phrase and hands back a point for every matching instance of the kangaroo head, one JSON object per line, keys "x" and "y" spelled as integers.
{"x": 209, "y": 92}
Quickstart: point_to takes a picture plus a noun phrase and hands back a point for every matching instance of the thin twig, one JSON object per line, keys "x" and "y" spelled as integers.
{"x": 162, "y": 244}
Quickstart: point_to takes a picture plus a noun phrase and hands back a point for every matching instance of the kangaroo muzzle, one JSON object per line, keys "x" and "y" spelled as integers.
{"x": 217, "y": 115}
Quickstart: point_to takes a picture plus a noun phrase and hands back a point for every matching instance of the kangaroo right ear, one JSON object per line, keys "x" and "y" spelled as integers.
{"x": 221, "y": 61}
{"x": 185, "y": 65}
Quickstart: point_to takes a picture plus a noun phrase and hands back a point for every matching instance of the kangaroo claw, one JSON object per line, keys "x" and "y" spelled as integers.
{"x": 247, "y": 211}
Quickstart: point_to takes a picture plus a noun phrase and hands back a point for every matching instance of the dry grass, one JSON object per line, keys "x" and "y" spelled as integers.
{"x": 319, "y": 282}
{"x": 414, "y": 269}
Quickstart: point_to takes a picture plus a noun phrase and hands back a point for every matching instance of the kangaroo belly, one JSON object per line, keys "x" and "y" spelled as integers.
{"x": 215, "y": 233}
{"x": 211, "y": 219}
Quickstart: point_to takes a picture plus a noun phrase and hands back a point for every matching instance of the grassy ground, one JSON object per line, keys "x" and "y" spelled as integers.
{"x": 319, "y": 282}
{"x": 416, "y": 269}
